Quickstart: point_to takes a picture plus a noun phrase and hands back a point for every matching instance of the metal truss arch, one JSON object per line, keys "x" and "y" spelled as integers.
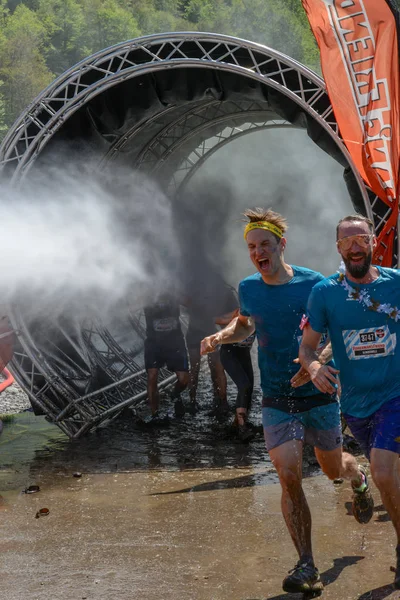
{"x": 170, "y": 139}
{"x": 189, "y": 166}
{"x": 107, "y": 68}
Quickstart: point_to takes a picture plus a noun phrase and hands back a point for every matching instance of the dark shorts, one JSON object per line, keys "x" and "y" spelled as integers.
{"x": 379, "y": 430}
{"x": 320, "y": 427}
{"x": 171, "y": 354}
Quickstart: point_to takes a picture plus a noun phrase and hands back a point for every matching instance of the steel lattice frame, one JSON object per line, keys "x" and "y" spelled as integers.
{"x": 178, "y": 148}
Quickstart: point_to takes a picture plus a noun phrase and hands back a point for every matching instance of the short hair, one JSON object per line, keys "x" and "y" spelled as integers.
{"x": 355, "y": 219}
{"x": 266, "y": 214}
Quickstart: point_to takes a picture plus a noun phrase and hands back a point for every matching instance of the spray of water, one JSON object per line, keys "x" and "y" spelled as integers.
{"x": 78, "y": 246}
{"x": 74, "y": 240}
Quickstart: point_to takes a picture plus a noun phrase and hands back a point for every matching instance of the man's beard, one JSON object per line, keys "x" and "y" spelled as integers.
{"x": 358, "y": 271}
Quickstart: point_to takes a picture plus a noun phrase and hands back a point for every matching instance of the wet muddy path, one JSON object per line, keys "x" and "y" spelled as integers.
{"x": 182, "y": 512}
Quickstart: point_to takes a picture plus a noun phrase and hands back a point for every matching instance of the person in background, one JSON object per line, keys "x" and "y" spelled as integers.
{"x": 198, "y": 325}
{"x": 215, "y": 298}
{"x": 164, "y": 346}
{"x": 236, "y": 360}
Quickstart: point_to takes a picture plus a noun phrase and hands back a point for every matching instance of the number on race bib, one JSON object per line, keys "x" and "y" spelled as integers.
{"x": 369, "y": 343}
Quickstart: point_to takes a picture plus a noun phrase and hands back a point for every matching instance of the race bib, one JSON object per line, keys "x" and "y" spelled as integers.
{"x": 369, "y": 343}
{"x": 166, "y": 324}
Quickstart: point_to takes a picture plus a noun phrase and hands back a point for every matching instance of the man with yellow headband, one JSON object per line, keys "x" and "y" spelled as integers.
{"x": 272, "y": 302}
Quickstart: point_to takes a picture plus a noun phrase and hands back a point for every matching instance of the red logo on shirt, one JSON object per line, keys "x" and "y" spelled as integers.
{"x": 304, "y": 322}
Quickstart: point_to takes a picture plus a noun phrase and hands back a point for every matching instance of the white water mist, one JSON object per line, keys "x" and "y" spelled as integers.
{"x": 71, "y": 239}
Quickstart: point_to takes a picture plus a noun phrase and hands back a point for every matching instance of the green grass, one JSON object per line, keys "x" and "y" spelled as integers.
{"x": 7, "y": 418}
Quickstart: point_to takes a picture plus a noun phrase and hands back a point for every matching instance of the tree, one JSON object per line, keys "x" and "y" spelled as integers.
{"x": 309, "y": 44}
{"x": 209, "y": 15}
{"x": 107, "y": 22}
{"x": 281, "y": 25}
{"x": 65, "y": 23}
{"x": 272, "y": 23}
{"x": 22, "y": 68}
{"x": 3, "y": 126}
{"x": 159, "y": 16}
{"x": 4, "y": 12}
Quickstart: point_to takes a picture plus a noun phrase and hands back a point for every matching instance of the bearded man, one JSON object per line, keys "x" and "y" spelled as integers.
{"x": 360, "y": 309}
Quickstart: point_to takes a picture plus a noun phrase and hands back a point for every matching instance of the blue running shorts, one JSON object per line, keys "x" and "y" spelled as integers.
{"x": 379, "y": 430}
{"x": 320, "y": 427}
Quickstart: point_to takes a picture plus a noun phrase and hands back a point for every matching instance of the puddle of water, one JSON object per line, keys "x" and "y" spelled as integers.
{"x": 30, "y": 445}
{"x": 32, "y": 449}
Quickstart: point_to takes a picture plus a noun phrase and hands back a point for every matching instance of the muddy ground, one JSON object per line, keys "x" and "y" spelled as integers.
{"x": 181, "y": 513}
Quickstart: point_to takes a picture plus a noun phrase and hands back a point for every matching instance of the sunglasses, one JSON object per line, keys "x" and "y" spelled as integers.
{"x": 363, "y": 241}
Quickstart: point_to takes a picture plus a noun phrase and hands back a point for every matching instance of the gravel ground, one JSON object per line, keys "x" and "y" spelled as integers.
{"x": 13, "y": 400}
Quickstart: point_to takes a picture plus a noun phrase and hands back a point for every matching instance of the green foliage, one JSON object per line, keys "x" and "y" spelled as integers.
{"x": 6, "y": 418}
{"x": 40, "y": 39}
{"x": 209, "y": 15}
{"x": 64, "y": 21}
{"x": 4, "y": 12}
{"x": 3, "y": 126}
{"x": 107, "y": 22}
{"x": 159, "y": 16}
{"x": 23, "y": 66}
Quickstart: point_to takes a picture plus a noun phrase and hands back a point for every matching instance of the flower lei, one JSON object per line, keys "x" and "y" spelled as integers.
{"x": 364, "y": 298}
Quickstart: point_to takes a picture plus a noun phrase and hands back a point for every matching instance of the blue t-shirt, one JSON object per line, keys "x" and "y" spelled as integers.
{"x": 364, "y": 342}
{"x": 277, "y": 311}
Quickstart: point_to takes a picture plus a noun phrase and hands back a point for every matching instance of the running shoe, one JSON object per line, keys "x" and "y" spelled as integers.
{"x": 193, "y": 408}
{"x": 179, "y": 408}
{"x": 303, "y": 578}
{"x": 221, "y": 412}
{"x": 245, "y": 434}
{"x": 363, "y": 502}
{"x": 157, "y": 420}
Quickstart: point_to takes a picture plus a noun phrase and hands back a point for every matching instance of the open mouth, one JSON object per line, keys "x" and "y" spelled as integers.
{"x": 263, "y": 264}
{"x": 357, "y": 258}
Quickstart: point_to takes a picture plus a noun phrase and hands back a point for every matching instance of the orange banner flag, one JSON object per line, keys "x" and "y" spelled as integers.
{"x": 358, "y": 41}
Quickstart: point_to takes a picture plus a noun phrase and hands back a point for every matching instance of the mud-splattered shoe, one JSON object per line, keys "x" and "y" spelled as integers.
{"x": 245, "y": 435}
{"x": 363, "y": 502}
{"x": 157, "y": 420}
{"x": 179, "y": 408}
{"x": 304, "y": 578}
{"x": 222, "y": 412}
{"x": 193, "y": 408}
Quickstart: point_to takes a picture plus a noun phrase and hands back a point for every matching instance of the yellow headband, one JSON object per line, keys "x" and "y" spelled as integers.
{"x": 263, "y": 225}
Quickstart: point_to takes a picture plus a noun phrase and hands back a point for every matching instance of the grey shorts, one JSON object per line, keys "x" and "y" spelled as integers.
{"x": 320, "y": 427}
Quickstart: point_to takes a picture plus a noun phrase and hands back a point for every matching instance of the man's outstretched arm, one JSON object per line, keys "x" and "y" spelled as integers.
{"x": 303, "y": 376}
{"x": 322, "y": 376}
{"x": 238, "y": 330}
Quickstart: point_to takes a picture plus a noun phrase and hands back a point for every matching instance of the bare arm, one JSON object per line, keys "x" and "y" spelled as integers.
{"x": 322, "y": 376}
{"x": 226, "y": 318}
{"x": 303, "y": 376}
{"x": 238, "y": 330}
{"x": 325, "y": 353}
